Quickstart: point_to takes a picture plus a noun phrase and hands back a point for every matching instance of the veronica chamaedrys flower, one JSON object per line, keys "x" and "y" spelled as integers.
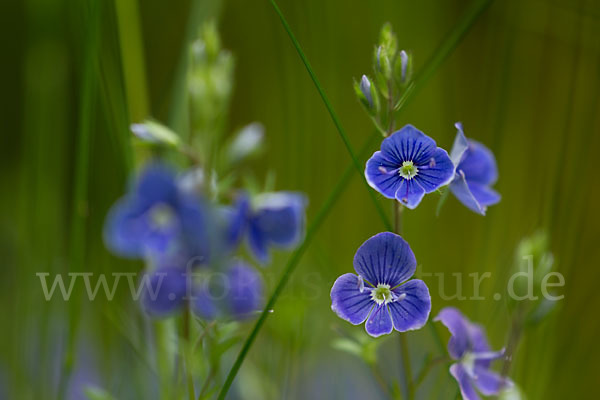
{"x": 380, "y": 293}
{"x": 476, "y": 171}
{"x": 236, "y": 293}
{"x": 274, "y": 219}
{"x": 408, "y": 165}
{"x": 165, "y": 290}
{"x": 468, "y": 345}
{"x": 154, "y": 216}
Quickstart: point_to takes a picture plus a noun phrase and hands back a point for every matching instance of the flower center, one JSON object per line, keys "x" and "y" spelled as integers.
{"x": 161, "y": 216}
{"x": 381, "y": 294}
{"x": 408, "y": 170}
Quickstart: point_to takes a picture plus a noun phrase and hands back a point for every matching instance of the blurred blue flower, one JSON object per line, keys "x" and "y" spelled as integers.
{"x": 236, "y": 293}
{"x": 165, "y": 290}
{"x": 469, "y": 346}
{"x": 155, "y": 216}
{"x": 476, "y": 171}
{"x": 408, "y": 165}
{"x": 378, "y": 294}
{"x": 273, "y": 220}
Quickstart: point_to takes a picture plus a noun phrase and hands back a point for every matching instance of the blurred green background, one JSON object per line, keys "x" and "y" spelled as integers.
{"x": 75, "y": 74}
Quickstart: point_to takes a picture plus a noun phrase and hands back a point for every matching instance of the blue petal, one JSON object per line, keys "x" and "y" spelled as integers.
{"x": 258, "y": 245}
{"x": 484, "y": 195}
{"x": 460, "y": 145}
{"x": 460, "y": 189}
{"x": 348, "y": 302}
{"x": 280, "y": 217}
{"x": 382, "y": 175}
{"x": 478, "y": 164}
{"x": 245, "y": 295}
{"x": 126, "y": 228}
{"x": 412, "y": 311}
{"x": 464, "y": 382}
{"x": 164, "y": 291}
{"x": 379, "y": 322}
{"x": 236, "y": 220}
{"x": 410, "y": 193}
{"x": 458, "y": 327}
{"x": 203, "y": 304}
{"x": 488, "y": 382}
{"x": 199, "y": 230}
{"x": 408, "y": 144}
{"x": 385, "y": 258}
{"x": 156, "y": 184}
{"x": 438, "y": 171}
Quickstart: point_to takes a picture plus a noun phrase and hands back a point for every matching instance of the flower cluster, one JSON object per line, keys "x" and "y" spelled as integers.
{"x": 189, "y": 243}
{"x": 408, "y": 165}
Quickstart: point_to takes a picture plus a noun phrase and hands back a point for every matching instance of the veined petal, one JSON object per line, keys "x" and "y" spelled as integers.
{"x": 488, "y": 382}
{"x": 385, "y": 258}
{"x": 464, "y": 382}
{"x": 458, "y": 327}
{"x": 479, "y": 164}
{"x": 460, "y": 145}
{"x": 409, "y": 193}
{"x": 460, "y": 189}
{"x": 408, "y": 144}
{"x": 379, "y": 322}
{"x": 412, "y": 311}
{"x": 437, "y": 172}
{"x": 347, "y": 300}
{"x": 484, "y": 195}
{"x": 381, "y": 174}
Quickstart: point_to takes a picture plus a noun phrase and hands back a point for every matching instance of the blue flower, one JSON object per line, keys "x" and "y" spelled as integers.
{"x": 155, "y": 217}
{"x": 165, "y": 290}
{"x": 237, "y": 293}
{"x": 380, "y": 294}
{"x": 476, "y": 171}
{"x": 273, "y": 220}
{"x": 408, "y": 165}
{"x": 469, "y": 346}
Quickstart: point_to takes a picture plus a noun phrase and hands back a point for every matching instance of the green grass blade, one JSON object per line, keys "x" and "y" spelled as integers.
{"x": 336, "y": 121}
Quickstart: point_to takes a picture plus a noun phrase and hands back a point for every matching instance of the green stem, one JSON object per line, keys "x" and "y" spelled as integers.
{"x": 187, "y": 345}
{"x": 410, "y": 391}
{"x": 336, "y": 121}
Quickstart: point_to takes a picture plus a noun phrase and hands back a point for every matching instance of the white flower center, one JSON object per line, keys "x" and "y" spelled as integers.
{"x": 381, "y": 294}
{"x": 161, "y": 215}
{"x": 408, "y": 170}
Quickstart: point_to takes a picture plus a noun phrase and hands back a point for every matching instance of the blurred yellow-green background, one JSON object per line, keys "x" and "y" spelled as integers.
{"x": 525, "y": 80}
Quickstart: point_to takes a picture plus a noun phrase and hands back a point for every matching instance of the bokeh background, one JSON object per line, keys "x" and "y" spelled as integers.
{"x": 525, "y": 81}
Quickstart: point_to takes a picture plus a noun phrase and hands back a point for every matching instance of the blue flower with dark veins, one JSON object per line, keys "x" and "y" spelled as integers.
{"x": 408, "y": 165}
{"x": 155, "y": 216}
{"x": 468, "y": 345}
{"x": 382, "y": 293}
{"x": 271, "y": 220}
{"x": 476, "y": 171}
{"x": 236, "y": 293}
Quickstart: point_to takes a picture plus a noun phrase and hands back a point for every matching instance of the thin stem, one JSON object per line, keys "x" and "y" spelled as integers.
{"x": 407, "y": 367}
{"x": 336, "y": 121}
{"x": 209, "y": 378}
{"x": 186, "y": 348}
{"x": 428, "y": 367}
{"x": 379, "y": 378}
{"x": 513, "y": 341}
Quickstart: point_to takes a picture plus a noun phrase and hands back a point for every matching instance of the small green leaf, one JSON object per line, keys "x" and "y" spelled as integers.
{"x": 154, "y": 132}
{"x": 348, "y": 346}
{"x": 441, "y": 201}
